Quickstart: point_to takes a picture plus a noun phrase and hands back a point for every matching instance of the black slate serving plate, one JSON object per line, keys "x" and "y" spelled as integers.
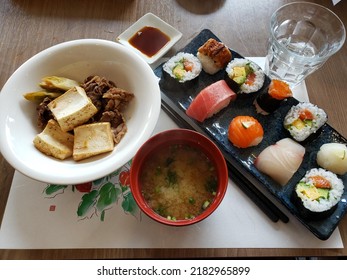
{"x": 216, "y": 128}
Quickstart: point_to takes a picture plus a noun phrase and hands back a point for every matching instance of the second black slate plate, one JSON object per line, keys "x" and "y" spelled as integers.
{"x": 216, "y": 128}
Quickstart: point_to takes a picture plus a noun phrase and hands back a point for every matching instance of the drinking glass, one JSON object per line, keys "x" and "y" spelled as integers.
{"x": 302, "y": 38}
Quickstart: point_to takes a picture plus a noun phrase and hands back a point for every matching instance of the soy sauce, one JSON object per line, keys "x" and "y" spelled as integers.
{"x": 149, "y": 40}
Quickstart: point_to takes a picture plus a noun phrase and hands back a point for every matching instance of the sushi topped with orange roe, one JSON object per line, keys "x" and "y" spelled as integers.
{"x": 269, "y": 100}
{"x": 245, "y": 131}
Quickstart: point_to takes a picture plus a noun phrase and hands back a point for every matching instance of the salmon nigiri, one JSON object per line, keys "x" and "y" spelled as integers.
{"x": 210, "y": 101}
{"x": 245, "y": 131}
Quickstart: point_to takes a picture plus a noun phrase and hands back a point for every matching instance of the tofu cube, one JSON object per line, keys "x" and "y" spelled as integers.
{"x": 52, "y": 141}
{"x": 72, "y": 108}
{"x": 92, "y": 139}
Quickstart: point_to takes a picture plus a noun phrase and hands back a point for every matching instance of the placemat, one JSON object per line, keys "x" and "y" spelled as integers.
{"x": 43, "y": 216}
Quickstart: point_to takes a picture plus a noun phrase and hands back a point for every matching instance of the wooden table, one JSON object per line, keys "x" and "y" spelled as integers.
{"x": 29, "y": 26}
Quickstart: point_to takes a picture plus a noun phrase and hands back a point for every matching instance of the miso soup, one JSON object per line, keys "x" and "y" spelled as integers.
{"x": 179, "y": 182}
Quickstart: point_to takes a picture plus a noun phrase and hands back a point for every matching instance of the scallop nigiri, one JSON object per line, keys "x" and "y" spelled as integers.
{"x": 333, "y": 157}
{"x": 245, "y": 131}
{"x": 281, "y": 160}
{"x": 210, "y": 101}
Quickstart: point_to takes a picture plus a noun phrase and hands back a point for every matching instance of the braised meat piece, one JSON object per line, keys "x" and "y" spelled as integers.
{"x": 117, "y": 99}
{"x": 117, "y": 121}
{"x": 95, "y": 87}
{"x": 43, "y": 113}
{"x": 110, "y": 101}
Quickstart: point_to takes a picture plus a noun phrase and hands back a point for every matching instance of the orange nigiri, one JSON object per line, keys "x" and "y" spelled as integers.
{"x": 245, "y": 131}
{"x": 269, "y": 101}
{"x": 279, "y": 90}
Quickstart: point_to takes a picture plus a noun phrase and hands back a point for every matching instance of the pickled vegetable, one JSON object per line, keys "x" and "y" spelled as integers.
{"x": 57, "y": 83}
{"x": 38, "y": 96}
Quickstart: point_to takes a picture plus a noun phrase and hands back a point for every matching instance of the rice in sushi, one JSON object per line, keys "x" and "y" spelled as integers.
{"x": 180, "y": 69}
{"x": 244, "y": 76}
{"x": 318, "y": 193}
{"x": 214, "y": 56}
{"x": 303, "y": 120}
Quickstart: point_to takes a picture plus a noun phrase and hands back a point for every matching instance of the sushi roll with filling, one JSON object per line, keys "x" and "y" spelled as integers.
{"x": 181, "y": 69}
{"x": 318, "y": 193}
{"x": 304, "y": 120}
{"x": 244, "y": 76}
{"x": 269, "y": 100}
{"x": 214, "y": 56}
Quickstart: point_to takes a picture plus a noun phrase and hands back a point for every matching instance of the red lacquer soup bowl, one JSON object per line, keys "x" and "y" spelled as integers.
{"x": 178, "y": 177}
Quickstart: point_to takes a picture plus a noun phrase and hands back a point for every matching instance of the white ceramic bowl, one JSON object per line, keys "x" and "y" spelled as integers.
{"x": 76, "y": 60}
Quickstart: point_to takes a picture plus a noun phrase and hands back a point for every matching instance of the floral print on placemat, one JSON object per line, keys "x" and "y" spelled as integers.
{"x": 101, "y": 195}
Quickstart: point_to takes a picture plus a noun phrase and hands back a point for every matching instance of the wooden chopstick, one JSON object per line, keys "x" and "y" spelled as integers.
{"x": 258, "y": 200}
{"x": 264, "y": 203}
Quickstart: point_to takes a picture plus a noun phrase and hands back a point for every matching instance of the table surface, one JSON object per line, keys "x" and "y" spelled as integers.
{"x": 29, "y": 26}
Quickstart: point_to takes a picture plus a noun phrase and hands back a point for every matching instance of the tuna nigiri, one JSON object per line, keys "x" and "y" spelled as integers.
{"x": 210, "y": 101}
{"x": 245, "y": 131}
{"x": 281, "y": 160}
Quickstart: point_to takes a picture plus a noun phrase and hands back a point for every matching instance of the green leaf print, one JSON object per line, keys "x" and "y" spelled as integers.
{"x": 98, "y": 181}
{"x": 108, "y": 195}
{"x": 51, "y": 189}
{"x": 100, "y": 195}
{"x": 88, "y": 201}
{"x": 129, "y": 205}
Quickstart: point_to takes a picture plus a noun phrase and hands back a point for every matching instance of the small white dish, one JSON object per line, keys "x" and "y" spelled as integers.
{"x": 150, "y": 20}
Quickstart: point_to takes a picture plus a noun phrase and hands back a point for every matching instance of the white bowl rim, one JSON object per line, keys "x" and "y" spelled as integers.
{"x": 92, "y": 173}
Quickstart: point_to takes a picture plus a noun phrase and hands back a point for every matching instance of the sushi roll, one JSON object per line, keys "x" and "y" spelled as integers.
{"x": 318, "y": 193}
{"x": 245, "y": 131}
{"x": 269, "y": 100}
{"x": 333, "y": 157}
{"x": 304, "y": 120}
{"x": 181, "y": 69}
{"x": 210, "y": 101}
{"x": 214, "y": 56}
{"x": 244, "y": 76}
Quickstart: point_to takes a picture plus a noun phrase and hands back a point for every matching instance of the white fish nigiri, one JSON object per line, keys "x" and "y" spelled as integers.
{"x": 281, "y": 160}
